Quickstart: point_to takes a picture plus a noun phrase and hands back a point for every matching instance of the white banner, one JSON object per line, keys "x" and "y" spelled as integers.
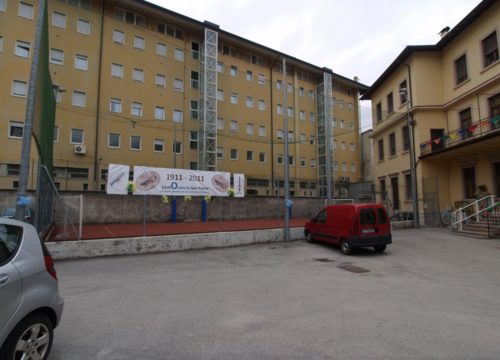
{"x": 239, "y": 185}
{"x": 117, "y": 179}
{"x": 162, "y": 181}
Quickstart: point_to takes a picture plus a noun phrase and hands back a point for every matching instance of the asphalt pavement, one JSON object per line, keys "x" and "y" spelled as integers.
{"x": 431, "y": 295}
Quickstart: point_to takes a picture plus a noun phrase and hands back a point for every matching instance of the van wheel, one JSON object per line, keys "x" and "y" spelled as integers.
{"x": 309, "y": 237}
{"x": 380, "y": 248}
{"x": 345, "y": 247}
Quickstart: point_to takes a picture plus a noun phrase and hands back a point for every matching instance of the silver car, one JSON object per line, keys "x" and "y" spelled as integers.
{"x": 30, "y": 305}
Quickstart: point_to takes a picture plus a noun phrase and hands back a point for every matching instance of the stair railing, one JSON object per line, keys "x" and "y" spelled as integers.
{"x": 472, "y": 210}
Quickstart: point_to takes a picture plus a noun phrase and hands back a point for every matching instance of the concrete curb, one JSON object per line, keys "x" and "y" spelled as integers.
{"x": 62, "y": 250}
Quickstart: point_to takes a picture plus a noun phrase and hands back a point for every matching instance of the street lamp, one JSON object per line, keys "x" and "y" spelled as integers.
{"x": 410, "y": 123}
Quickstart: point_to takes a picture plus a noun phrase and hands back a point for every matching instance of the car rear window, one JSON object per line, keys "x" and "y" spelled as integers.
{"x": 10, "y": 238}
{"x": 367, "y": 217}
{"x": 382, "y": 218}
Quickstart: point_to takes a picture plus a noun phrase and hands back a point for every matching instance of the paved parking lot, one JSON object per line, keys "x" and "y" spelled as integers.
{"x": 430, "y": 296}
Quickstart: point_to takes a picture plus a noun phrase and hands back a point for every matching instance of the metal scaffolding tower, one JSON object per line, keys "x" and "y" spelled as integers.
{"x": 325, "y": 134}
{"x": 207, "y": 135}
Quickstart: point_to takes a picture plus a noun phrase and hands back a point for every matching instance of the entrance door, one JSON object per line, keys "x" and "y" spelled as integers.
{"x": 494, "y": 103}
{"x": 395, "y": 193}
{"x": 496, "y": 171}
{"x": 465, "y": 122}
{"x": 469, "y": 182}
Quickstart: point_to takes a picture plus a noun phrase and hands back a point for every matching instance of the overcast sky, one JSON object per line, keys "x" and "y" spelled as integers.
{"x": 353, "y": 38}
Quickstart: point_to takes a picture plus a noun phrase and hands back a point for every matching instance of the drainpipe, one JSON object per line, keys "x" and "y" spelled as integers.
{"x": 97, "y": 117}
{"x": 413, "y": 169}
{"x": 272, "y": 123}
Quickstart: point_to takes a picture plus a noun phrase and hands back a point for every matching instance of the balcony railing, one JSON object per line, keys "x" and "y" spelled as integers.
{"x": 456, "y": 137}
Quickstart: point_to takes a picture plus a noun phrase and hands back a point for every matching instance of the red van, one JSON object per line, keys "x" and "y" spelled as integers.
{"x": 351, "y": 226}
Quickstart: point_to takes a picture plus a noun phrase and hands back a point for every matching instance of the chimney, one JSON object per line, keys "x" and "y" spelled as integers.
{"x": 356, "y": 79}
{"x": 444, "y": 32}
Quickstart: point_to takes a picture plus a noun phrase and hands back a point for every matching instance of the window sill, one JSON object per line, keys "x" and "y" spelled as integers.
{"x": 489, "y": 66}
{"x": 461, "y": 84}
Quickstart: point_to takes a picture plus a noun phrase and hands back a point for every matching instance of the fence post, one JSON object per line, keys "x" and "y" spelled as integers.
{"x": 476, "y": 210}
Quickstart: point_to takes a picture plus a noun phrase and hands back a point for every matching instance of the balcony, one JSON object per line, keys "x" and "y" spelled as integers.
{"x": 478, "y": 131}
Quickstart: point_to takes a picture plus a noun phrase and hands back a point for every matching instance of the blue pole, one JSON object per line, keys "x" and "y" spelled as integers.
{"x": 290, "y": 212}
{"x": 174, "y": 210}
{"x": 204, "y": 210}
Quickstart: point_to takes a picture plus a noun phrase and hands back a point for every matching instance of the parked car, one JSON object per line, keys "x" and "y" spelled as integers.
{"x": 351, "y": 226}
{"x": 402, "y": 216}
{"x": 10, "y": 212}
{"x": 30, "y": 305}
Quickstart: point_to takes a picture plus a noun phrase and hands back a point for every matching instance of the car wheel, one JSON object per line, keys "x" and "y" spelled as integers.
{"x": 30, "y": 339}
{"x": 380, "y": 248}
{"x": 345, "y": 247}
{"x": 309, "y": 237}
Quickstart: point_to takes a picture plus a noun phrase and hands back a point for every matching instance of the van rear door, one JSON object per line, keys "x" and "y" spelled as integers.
{"x": 367, "y": 222}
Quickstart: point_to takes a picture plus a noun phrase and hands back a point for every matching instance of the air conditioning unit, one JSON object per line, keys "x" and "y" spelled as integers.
{"x": 80, "y": 149}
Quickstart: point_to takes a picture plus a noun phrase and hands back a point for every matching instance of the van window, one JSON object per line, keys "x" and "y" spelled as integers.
{"x": 10, "y": 238}
{"x": 382, "y": 219}
{"x": 321, "y": 217}
{"x": 367, "y": 217}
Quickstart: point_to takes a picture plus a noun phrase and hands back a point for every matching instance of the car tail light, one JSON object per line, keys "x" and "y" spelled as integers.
{"x": 49, "y": 262}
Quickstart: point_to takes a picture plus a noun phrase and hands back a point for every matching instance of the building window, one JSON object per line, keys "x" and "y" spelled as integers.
{"x": 139, "y": 43}
{"x": 220, "y": 124}
{"x": 233, "y": 72}
{"x": 249, "y": 102}
{"x": 177, "y": 116}
{"x": 138, "y": 75}
{"x": 461, "y": 69}
{"x": 262, "y": 79}
{"x": 341, "y": 124}
{"x": 160, "y": 80}
{"x": 83, "y": 26}
{"x": 115, "y": 105}
{"x": 383, "y": 192}
{"x": 353, "y": 167}
{"x": 195, "y": 50}
{"x": 279, "y": 85}
{"x": 159, "y": 145}
{"x": 390, "y": 103}
{"x": 16, "y": 129}
{"x": 22, "y": 49}
{"x": 177, "y": 147}
{"x": 118, "y": 36}
{"x": 3, "y": 5}
{"x": 381, "y": 150}
{"x": 77, "y": 136}
{"x": 220, "y": 152}
{"x": 135, "y": 142}
{"x": 81, "y": 62}
{"x": 178, "y": 85}
{"x": 220, "y": 67}
{"x": 19, "y": 88}
{"x": 290, "y": 111}
{"x": 234, "y": 154}
{"x": 220, "y": 95}
{"x": 351, "y": 147}
{"x": 262, "y": 130}
{"x": 392, "y": 144}
{"x": 117, "y": 70}
{"x": 302, "y": 115}
{"x": 234, "y": 126}
{"x": 279, "y": 134}
{"x": 379, "y": 112}
{"x": 262, "y": 105}
{"x": 249, "y": 155}
{"x": 79, "y": 99}
{"x": 343, "y": 145}
{"x": 169, "y": 30}
{"x": 279, "y": 109}
{"x": 403, "y": 92}
{"x": 129, "y": 17}
{"x": 25, "y": 10}
{"x": 194, "y": 109}
{"x": 113, "y": 140}
{"x": 408, "y": 187}
{"x": 59, "y": 19}
{"x": 490, "y": 49}
{"x": 406, "y": 138}
{"x": 344, "y": 167}
{"x": 234, "y": 98}
{"x": 249, "y": 75}
{"x": 179, "y": 54}
{"x": 289, "y": 88}
{"x": 57, "y": 56}
{"x": 195, "y": 79}
{"x": 312, "y": 117}
{"x": 1, "y": 43}
{"x": 250, "y": 130}
{"x": 159, "y": 113}
{"x": 193, "y": 165}
{"x": 136, "y": 109}
{"x": 193, "y": 140}
{"x": 56, "y": 134}
{"x": 279, "y": 159}
{"x": 161, "y": 49}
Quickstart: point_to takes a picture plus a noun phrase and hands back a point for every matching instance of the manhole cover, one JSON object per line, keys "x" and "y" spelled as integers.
{"x": 354, "y": 269}
{"x": 324, "y": 260}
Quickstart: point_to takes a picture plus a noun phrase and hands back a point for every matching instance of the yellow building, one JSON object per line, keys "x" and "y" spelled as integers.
{"x": 450, "y": 94}
{"x": 140, "y": 85}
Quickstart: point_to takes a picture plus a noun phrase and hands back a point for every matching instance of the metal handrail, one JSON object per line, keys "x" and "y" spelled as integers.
{"x": 460, "y": 216}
